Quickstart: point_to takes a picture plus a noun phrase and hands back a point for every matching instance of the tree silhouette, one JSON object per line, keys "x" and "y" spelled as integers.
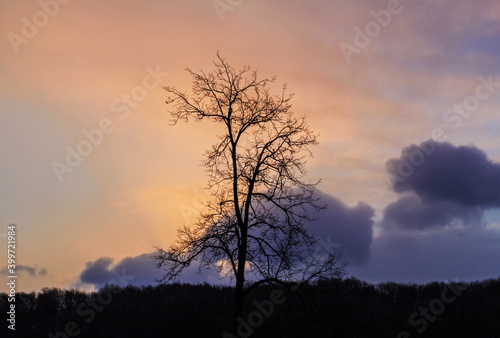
{"x": 256, "y": 220}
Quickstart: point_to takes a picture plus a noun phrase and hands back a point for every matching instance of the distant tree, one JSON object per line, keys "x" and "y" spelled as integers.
{"x": 256, "y": 220}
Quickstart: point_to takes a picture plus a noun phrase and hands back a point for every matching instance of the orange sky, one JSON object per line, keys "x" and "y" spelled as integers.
{"x": 133, "y": 189}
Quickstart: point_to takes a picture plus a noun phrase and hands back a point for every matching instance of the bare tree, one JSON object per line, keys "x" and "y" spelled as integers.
{"x": 256, "y": 220}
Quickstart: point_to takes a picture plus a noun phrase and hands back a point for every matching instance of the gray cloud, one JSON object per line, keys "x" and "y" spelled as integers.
{"x": 97, "y": 272}
{"x": 28, "y": 269}
{"x": 442, "y": 171}
{"x": 139, "y": 270}
{"x": 410, "y": 212}
{"x": 351, "y": 227}
{"x": 448, "y": 185}
{"x": 32, "y": 271}
{"x": 439, "y": 254}
{"x": 446, "y": 190}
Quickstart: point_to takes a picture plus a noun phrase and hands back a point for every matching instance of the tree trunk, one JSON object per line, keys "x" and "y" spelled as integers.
{"x": 240, "y": 280}
{"x": 238, "y": 303}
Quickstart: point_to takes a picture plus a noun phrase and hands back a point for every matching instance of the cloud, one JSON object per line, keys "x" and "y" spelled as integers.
{"x": 442, "y": 171}
{"x": 351, "y": 227}
{"x": 32, "y": 271}
{"x": 138, "y": 270}
{"x": 446, "y": 253}
{"x": 410, "y": 212}
{"x": 340, "y": 228}
{"x": 445, "y": 185}
{"x": 97, "y": 272}
{"x": 445, "y": 191}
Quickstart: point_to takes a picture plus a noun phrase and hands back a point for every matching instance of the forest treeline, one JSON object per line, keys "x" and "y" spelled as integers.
{"x": 330, "y": 308}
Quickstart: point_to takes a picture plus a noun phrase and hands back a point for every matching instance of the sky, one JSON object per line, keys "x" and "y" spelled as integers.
{"x": 404, "y": 95}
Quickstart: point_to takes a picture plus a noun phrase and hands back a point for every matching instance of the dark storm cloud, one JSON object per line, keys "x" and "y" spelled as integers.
{"x": 442, "y": 171}
{"x": 448, "y": 185}
{"x": 97, "y": 272}
{"x": 340, "y": 228}
{"x": 412, "y": 213}
{"x": 350, "y": 227}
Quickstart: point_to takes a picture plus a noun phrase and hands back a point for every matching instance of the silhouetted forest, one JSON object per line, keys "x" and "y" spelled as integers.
{"x": 331, "y": 308}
